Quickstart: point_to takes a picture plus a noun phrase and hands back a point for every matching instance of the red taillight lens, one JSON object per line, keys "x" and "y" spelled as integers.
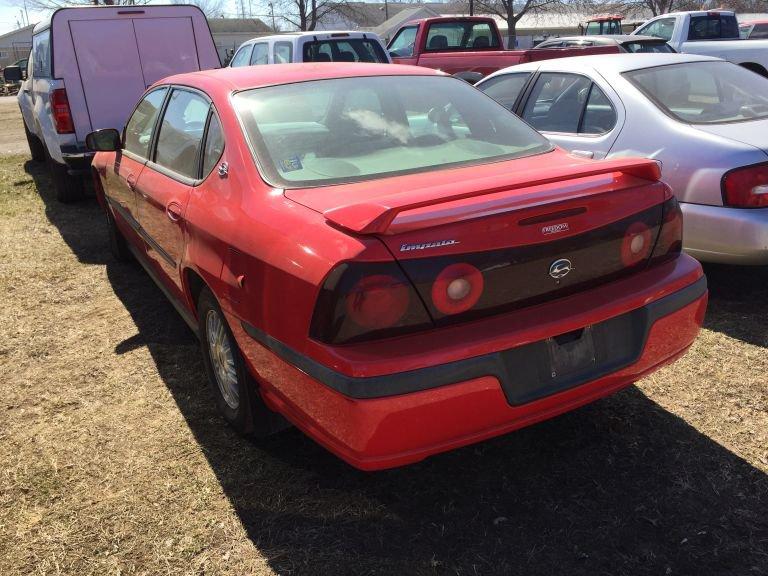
{"x": 377, "y": 301}
{"x": 457, "y": 288}
{"x": 62, "y": 117}
{"x": 365, "y": 300}
{"x": 746, "y": 187}
{"x": 636, "y": 245}
{"x": 670, "y": 241}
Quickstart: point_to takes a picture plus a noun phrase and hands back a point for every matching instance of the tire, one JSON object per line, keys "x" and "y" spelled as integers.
{"x": 68, "y": 188}
{"x": 36, "y": 148}
{"x": 236, "y": 391}
{"x": 118, "y": 245}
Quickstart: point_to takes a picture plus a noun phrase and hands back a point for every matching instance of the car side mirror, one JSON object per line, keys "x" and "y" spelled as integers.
{"x": 12, "y": 74}
{"x": 106, "y": 140}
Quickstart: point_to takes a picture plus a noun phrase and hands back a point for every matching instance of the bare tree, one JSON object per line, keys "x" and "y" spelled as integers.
{"x": 512, "y": 11}
{"x": 54, "y": 4}
{"x": 211, "y": 8}
{"x": 306, "y": 14}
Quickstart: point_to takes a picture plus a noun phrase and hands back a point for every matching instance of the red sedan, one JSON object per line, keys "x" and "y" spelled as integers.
{"x": 391, "y": 260}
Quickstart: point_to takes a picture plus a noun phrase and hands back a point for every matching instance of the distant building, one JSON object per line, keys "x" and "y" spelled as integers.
{"x": 229, "y": 33}
{"x": 15, "y": 45}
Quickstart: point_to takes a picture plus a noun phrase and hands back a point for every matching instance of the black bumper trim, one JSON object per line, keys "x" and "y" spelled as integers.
{"x": 497, "y": 364}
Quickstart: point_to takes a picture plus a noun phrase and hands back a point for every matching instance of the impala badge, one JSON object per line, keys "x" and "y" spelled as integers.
{"x": 560, "y": 268}
{"x": 425, "y": 245}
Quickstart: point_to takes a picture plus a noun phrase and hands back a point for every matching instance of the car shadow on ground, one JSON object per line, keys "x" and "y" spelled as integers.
{"x": 738, "y": 302}
{"x": 618, "y": 487}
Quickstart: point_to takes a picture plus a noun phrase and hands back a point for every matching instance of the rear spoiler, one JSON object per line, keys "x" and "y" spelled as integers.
{"x": 376, "y": 216}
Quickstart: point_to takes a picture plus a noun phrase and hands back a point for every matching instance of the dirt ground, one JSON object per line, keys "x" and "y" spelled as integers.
{"x": 12, "y": 140}
{"x": 113, "y": 459}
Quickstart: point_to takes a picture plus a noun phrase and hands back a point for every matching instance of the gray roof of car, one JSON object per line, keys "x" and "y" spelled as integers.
{"x": 607, "y": 63}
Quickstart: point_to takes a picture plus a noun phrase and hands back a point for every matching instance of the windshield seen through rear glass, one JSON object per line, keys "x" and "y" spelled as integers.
{"x": 344, "y": 50}
{"x": 351, "y": 129}
{"x": 704, "y": 92}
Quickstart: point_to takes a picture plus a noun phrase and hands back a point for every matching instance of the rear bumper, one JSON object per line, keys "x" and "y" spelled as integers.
{"x": 726, "y": 235}
{"x": 375, "y": 422}
{"x": 77, "y": 159}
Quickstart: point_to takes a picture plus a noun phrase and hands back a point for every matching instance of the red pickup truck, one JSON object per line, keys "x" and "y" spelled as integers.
{"x": 469, "y": 47}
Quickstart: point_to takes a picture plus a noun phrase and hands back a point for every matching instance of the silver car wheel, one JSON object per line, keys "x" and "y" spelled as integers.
{"x": 222, "y": 359}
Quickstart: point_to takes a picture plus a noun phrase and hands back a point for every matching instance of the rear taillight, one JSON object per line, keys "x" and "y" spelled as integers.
{"x": 636, "y": 244}
{"x": 457, "y": 288}
{"x": 364, "y": 300}
{"x": 670, "y": 241}
{"x": 62, "y": 117}
{"x": 746, "y": 187}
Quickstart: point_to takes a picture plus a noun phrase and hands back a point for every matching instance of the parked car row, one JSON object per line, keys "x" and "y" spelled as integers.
{"x": 399, "y": 263}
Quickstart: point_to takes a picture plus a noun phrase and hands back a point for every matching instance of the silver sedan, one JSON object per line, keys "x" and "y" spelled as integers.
{"x": 704, "y": 119}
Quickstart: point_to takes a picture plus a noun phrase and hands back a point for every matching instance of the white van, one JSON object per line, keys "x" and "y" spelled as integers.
{"x": 88, "y": 68}
{"x": 312, "y": 47}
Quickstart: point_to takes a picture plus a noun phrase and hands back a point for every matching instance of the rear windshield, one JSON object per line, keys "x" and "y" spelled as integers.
{"x": 352, "y": 129}
{"x": 713, "y": 27}
{"x": 704, "y": 92}
{"x": 346, "y": 50}
{"x": 647, "y": 47}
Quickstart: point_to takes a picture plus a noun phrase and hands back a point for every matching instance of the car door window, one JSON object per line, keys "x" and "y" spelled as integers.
{"x": 260, "y": 54}
{"x": 41, "y": 50}
{"x": 506, "y": 89}
{"x": 181, "y": 131}
{"x": 283, "y": 53}
{"x": 402, "y": 44}
{"x": 214, "y": 145}
{"x": 599, "y": 115}
{"x": 556, "y": 102}
{"x": 138, "y": 131}
{"x": 662, "y": 28}
{"x": 242, "y": 57}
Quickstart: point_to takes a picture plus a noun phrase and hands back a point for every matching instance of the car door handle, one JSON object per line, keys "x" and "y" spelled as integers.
{"x": 173, "y": 211}
{"x": 583, "y": 153}
{"x": 131, "y": 180}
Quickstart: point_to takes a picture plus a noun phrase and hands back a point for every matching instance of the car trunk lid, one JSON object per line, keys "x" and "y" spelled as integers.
{"x": 751, "y": 132}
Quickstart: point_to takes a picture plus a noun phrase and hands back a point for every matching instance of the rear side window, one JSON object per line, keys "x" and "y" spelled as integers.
{"x": 713, "y": 27}
{"x": 181, "y": 132}
{"x": 138, "y": 131}
{"x": 41, "y": 54}
{"x": 214, "y": 145}
{"x": 660, "y": 28}
{"x": 242, "y": 57}
{"x": 260, "y": 54}
{"x": 505, "y": 89}
{"x": 556, "y": 102}
{"x": 283, "y": 53}
{"x": 569, "y": 103}
{"x": 461, "y": 36}
{"x": 599, "y": 116}
{"x": 402, "y": 44}
{"x": 350, "y": 50}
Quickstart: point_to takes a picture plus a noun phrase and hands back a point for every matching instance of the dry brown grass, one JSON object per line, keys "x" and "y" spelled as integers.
{"x": 114, "y": 461}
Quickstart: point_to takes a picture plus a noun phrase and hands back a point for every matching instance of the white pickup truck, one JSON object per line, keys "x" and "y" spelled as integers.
{"x": 709, "y": 33}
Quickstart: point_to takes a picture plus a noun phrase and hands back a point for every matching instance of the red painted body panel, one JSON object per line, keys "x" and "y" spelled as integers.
{"x": 265, "y": 253}
{"x": 386, "y": 432}
{"x": 483, "y": 61}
